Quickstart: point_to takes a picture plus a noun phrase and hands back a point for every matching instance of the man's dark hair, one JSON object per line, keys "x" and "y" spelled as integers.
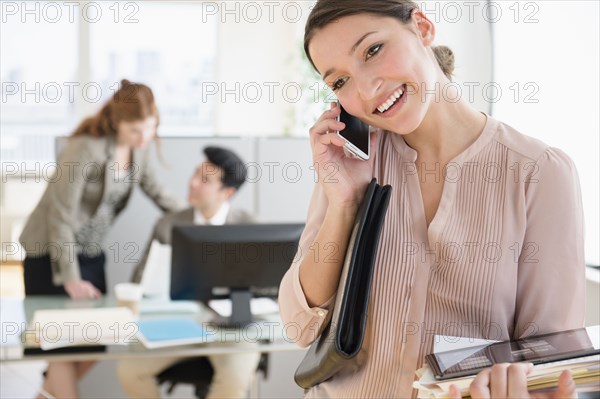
{"x": 234, "y": 169}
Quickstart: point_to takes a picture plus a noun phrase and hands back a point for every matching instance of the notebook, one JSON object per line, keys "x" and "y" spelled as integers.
{"x": 165, "y": 332}
{"x": 58, "y": 328}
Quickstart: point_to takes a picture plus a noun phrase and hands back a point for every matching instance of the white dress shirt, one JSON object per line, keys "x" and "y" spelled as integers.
{"x": 217, "y": 220}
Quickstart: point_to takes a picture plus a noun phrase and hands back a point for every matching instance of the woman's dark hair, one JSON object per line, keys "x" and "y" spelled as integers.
{"x": 328, "y": 11}
{"x": 133, "y": 101}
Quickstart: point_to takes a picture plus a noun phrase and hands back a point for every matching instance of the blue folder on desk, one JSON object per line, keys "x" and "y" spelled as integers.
{"x": 159, "y": 333}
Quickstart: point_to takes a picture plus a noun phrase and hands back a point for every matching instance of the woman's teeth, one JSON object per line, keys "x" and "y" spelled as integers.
{"x": 390, "y": 101}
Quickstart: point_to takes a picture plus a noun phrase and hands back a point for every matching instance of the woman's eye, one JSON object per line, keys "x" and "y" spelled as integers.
{"x": 338, "y": 84}
{"x": 373, "y": 50}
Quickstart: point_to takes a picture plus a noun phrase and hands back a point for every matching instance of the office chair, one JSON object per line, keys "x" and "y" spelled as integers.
{"x": 199, "y": 372}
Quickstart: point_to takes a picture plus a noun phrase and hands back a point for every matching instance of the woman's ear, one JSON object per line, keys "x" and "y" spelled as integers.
{"x": 424, "y": 27}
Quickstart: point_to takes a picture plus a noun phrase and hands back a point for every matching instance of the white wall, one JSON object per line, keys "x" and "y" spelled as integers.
{"x": 465, "y": 30}
{"x": 252, "y": 71}
{"x": 549, "y": 54}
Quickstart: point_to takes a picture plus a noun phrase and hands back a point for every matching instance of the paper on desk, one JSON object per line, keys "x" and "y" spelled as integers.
{"x": 72, "y": 327}
{"x": 159, "y": 305}
{"x": 258, "y": 306}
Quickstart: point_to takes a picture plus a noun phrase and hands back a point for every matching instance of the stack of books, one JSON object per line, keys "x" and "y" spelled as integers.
{"x": 575, "y": 350}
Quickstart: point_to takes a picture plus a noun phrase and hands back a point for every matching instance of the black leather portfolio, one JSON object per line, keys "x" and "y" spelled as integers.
{"x": 342, "y": 338}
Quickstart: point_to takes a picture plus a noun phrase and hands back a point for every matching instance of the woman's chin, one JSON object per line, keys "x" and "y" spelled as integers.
{"x": 407, "y": 125}
{"x": 402, "y": 128}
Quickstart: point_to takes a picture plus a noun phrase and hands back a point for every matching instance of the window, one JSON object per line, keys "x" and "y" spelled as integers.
{"x": 39, "y": 60}
{"x": 61, "y": 60}
{"x": 169, "y": 47}
{"x": 38, "y": 69}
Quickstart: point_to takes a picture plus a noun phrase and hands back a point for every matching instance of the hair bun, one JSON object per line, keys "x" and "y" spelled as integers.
{"x": 445, "y": 57}
{"x": 125, "y": 82}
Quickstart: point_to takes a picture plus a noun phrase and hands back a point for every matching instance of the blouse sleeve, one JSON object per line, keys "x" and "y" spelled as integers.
{"x": 302, "y": 322}
{"x": 551, "y": 274}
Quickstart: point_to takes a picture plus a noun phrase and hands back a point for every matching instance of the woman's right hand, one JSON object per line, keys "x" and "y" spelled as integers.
{"x": 82, "y": 289}
{"x": 343, "y": 178}
{"x": 509, "y": 380}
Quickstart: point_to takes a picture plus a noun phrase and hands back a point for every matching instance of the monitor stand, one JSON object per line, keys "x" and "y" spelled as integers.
{"x": 241, "y": 315}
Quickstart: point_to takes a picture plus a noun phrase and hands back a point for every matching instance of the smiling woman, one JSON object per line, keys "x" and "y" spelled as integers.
{"x": 499, "y": 211}
{"x": 389, "y": 50}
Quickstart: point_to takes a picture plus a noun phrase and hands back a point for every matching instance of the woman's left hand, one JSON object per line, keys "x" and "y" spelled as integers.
{"x": 509, "y": 380}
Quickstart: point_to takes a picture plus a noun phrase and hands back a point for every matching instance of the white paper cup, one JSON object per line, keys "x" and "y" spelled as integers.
{"x": 129, "y": 295}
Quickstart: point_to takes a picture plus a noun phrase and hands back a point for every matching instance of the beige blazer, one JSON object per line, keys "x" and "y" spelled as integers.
{"x": 164, "y": 226}
{"x": 85, "y": 173}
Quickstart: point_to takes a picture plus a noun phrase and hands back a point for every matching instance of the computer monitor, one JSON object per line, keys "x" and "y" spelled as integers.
{"x": 231, "y": 261}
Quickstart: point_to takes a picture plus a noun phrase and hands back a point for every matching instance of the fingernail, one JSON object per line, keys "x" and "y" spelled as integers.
{"x": 570, "y": 382}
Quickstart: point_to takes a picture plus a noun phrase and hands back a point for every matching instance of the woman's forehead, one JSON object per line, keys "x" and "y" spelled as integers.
{"x": 338, "y": 38}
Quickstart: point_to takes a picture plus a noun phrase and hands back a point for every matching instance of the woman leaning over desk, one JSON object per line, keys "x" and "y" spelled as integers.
{"x": 484, "y": 232}
{"x": 101, "y": 163}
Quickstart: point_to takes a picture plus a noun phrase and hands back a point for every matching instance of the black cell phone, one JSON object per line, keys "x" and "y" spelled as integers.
{"x": 356, "y": 134}
{"x": 539, "y": 349}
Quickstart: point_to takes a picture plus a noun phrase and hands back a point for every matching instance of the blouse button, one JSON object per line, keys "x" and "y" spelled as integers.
{"x": 321, "y": 313}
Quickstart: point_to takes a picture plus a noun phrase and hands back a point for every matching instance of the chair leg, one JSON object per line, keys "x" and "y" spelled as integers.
{"x": 254, "y": 391}
{"x": 171, "y": 388}
{"x": 202, "y": 391}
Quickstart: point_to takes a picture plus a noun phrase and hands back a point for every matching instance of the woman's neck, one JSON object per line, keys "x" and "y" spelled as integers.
{"x": 446, "y": 131}
{"x": 123, "y": 155}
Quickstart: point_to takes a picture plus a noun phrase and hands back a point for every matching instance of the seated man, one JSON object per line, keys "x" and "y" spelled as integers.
{"x": 211, "y": 187}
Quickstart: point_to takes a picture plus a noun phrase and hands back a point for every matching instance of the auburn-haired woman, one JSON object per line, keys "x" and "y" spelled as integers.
{"x": 97, "y": 170}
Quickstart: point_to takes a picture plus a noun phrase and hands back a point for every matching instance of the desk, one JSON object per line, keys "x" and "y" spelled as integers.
{"x": 269, "y": 329}
{"x": 592, "y": 316}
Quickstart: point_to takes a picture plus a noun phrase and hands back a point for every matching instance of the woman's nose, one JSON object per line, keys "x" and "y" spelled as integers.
{"x": 367, "y": 86}
{"x": 146, "y": 137}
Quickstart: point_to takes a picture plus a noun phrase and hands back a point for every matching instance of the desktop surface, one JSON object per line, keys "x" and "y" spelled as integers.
{"x": 268, "y": 332}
